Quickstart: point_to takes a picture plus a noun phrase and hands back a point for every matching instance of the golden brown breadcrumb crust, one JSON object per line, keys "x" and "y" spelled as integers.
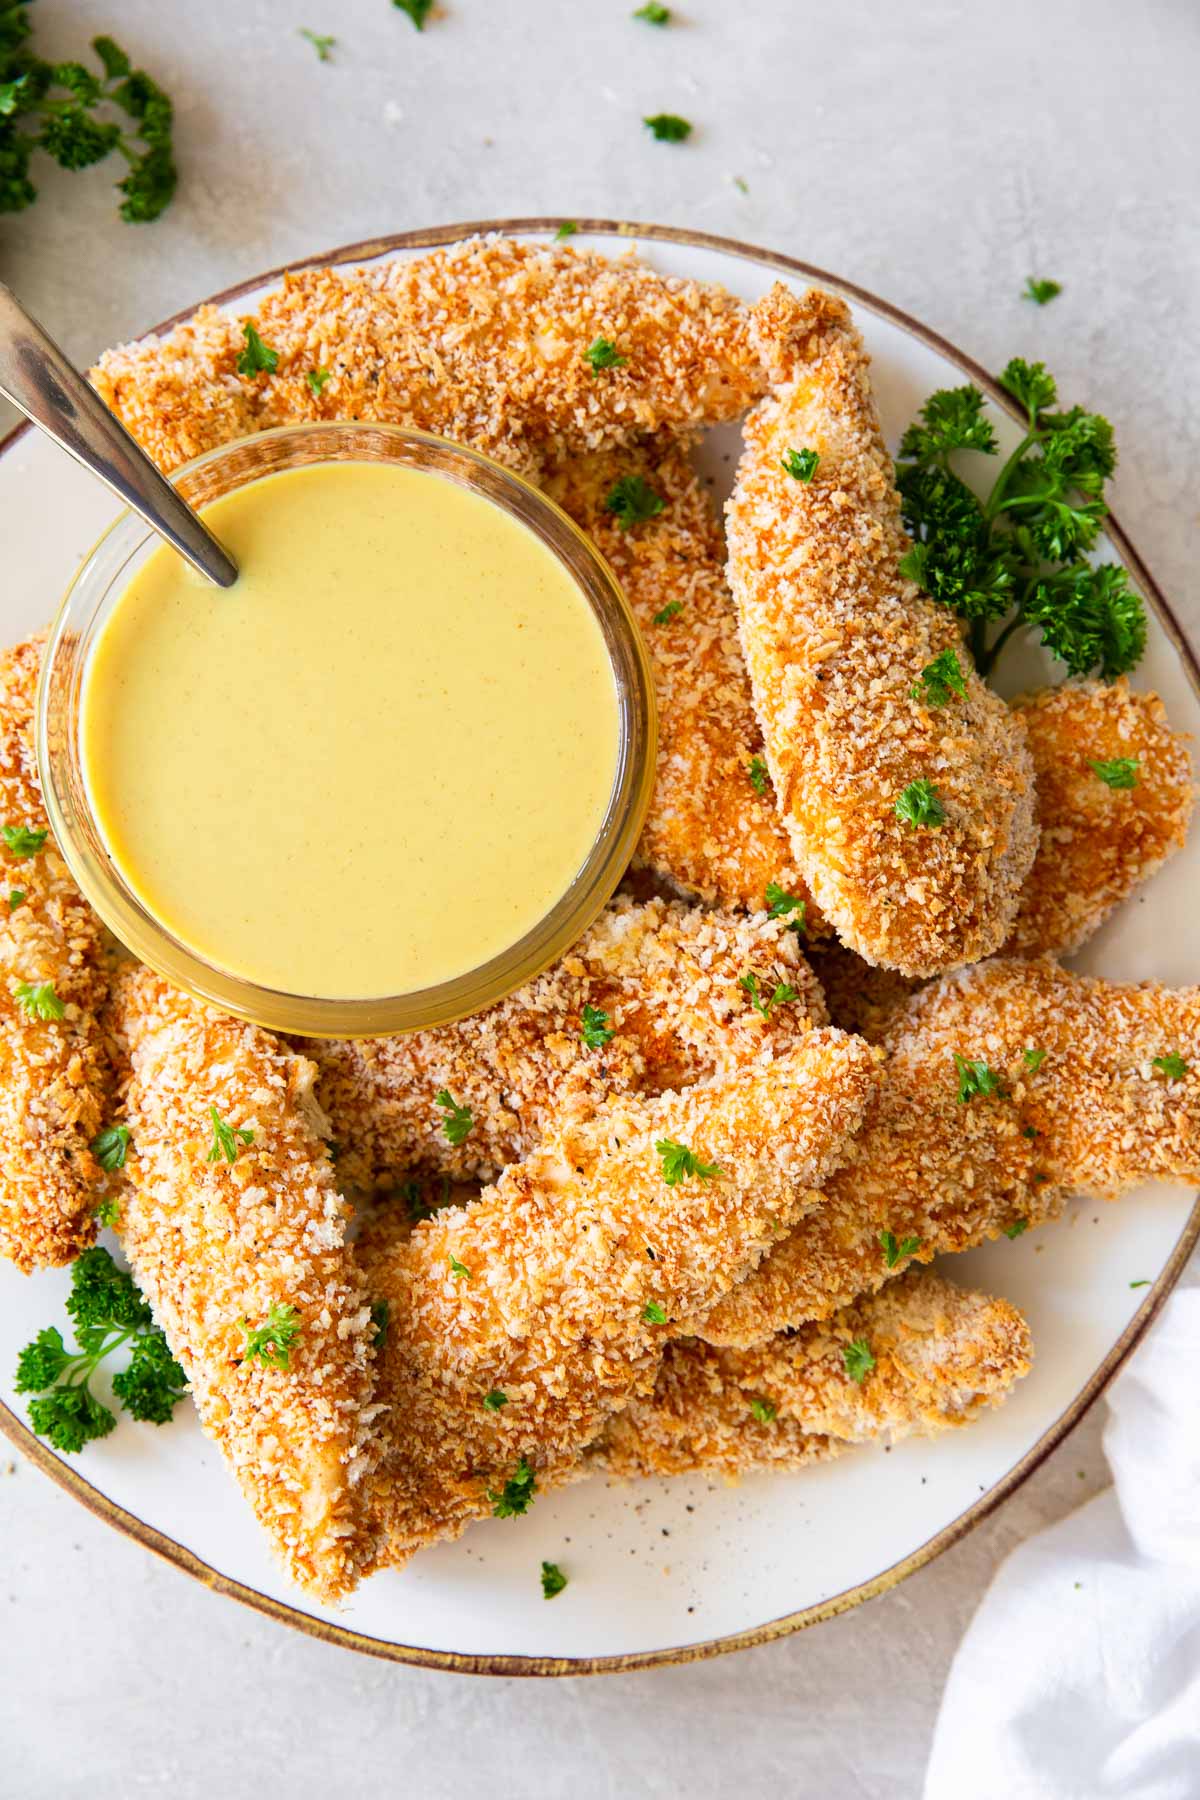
{"x": 835, "y": 642}
{"x": 483, "y": 342}
{"x": 1094, "y": 1116}
{"x": 1098, "y": 842}
{"x": 941, "y": 1355}
{"x": 54, "y": 1078}
{"x": 216, "y": 1245}
{"x": 560, "y": 1285}
{"x": 667, "y": 977}
{"x": 709, "y": 831}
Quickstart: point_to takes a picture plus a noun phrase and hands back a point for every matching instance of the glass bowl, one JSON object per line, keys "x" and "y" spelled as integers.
{"x": 89, "y": 602}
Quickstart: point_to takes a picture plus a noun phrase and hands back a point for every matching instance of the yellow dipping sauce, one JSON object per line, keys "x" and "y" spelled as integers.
{"x": 375, "y": 762}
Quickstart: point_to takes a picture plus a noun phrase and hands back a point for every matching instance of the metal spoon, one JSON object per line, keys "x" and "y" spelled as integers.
{"x": 36, "y": 376}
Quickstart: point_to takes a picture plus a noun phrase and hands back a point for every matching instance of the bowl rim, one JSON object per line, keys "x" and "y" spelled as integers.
{"x": 626, "y": 232}
{"x": 100, "y": 578}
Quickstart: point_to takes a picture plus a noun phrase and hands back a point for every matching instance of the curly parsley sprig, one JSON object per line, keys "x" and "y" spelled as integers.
{"x": 1017, "y": 559}
{"x": 108, "y": 1312}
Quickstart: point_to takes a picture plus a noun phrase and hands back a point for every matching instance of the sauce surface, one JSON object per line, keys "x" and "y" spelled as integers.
{"x": 377, "y": 760}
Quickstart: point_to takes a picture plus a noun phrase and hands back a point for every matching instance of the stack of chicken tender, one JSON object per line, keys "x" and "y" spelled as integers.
{"x": 691, "y": 1236}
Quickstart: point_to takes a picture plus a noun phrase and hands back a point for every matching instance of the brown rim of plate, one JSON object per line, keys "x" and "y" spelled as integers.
{"x": 432, "y": 237}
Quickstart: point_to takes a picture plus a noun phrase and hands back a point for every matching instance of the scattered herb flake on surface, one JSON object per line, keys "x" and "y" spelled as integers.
{"x": 108, "y": 1212}
{"x": 783, "y": 992}
{"x": 257, "y": 358}
{"x": 553, "y": 1579}
{"x": 417, "y": 10}
{"x": 567, "y": 229}
{"x": 22, "y": 841}
{"x": 669, "y": 128}
{"x": 516, "y": 1496}
{"x": 459, "y": 1270}
{"x": 271, "y": 1342}
{"x": 764, "y": 1410}
{"x": 858, "y": 1359}
{"x": 758, "y": 774}
{"x": 457, "y": 1121}
{"x": 1121, "y": 772}
{"x": 39, "y": 1002}
{"x": 940, "y": 680}
{"x": 919, "y": 805}
{"x": 227, "y": 1140}
{"x": 495, "y": 1400}
{"x": 1033, "y": 1059}
{"x": 1016, "y": 1228}
{"x": 320, "y": 43}
{"x": 16, "y": 897}
{"x": 632, "y": 501}
{"x": 653, "y": 12}
{"x": 381, "y": 1316}
{"x": 780, "y": 903}
{"x": 1171, "y": 1065}
{"x": 895, "y": 1250}
{"x": 653, "y": 1314}
{"x": 602, "y": 353}
{"x": 1041, "y": 292}
{"x": 595, "y": 1029}
{"x": 668, "y": 612}
{"x": 1143, "y": 1283}
{"x": 678, "y": 1162}
{"x": 109, "y": 1147}
{"x": 316, "y": 379}
{"x": 801, "y": 465}
{"x": 975, "y": 1078}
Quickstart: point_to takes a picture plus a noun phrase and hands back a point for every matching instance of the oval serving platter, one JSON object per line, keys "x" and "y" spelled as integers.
{"x": 665, "y": 1571}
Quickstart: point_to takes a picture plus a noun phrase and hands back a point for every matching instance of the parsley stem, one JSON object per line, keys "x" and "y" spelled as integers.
{"x": 985, "y": 656}
{"x": 994, "y": 499}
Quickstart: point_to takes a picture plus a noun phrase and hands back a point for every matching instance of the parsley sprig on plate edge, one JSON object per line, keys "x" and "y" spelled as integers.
{"x": 108, "y": 1312}
{"x": 1018, "y": 557}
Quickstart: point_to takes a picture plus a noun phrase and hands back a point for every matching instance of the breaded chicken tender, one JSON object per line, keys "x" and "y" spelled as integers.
{"x": 54, "y": 1076}
{"x": 1005, "y": 1089}
{"x": 937, "y": 1355}
{"x": 225, "y": 1250}
{"x": 1099, "y": 841}
{"x": 912, "y": 824}
{"x": 667, "y": 979}
{"x": 520, "y": 1323}
{"x": 485, "y": 342}
{"x": 709, "y": 831}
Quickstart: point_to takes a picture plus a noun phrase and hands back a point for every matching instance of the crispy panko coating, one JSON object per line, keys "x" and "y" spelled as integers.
{"x": 559, "y": 1287}
{"x": 217, "y": 1245}
{"x": 709, "y": 831}
{"x": 941, "y": 1355}
{"x": 835, "y": 642}
{"x": 483, "y": 342}
{"x": 54, "y": 1076}
{"x": 667, "y": 977}
{"x": 1094, "y": 1116}
{"x": 1098, "y": 842}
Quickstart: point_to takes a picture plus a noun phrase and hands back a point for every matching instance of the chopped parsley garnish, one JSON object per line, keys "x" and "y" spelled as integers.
{"x": 1121, "y": 772}
{"x": 758, "y": 774}
{"x": 919, "y": 805}
{"x": 858, "y": 1359}
{"x": 227, "y": 1139}
{"x": 1143, "y": 1283}
{"x": 567, "y": 229}
{"x": 1171, "y": 1065}
{"x": 1033, "y": 1059}
{"x": 678, "y": 1162}
{"x": 381, "y": 1318}
{"x": 801, "y": 465}
{"x": 783, "y": 992}
{"x": 108, "y": 1311}
{"x": 1041, "y": 292}
{"x": 108, "y": 1212}
{"x": 316, "y": 379}
{"x": 896, "y": 1249}
{"x": 271, "y": 1342}
{"x": 653, "y": 12}
{"x": 16, "y": 897}
{"x": 21, "y": 840}
{"x": 669, "y": 128}
{"x": 457, "y": 1121}
{"x": 780, "y": 903}
{"x": 974, "y": 1077}
{"x": 459, "y": 1270}
{"x": 553, "y": 1579}
{"x": 1016, "y": 1228}
{"x": 494, "y": 1401}
{"x": 257, "y": 358}
{"x": 320, "y": 43}
{"x": 516, "y": 1496}
{"x": 594, "y": 1028}
{"x": 632, "y": 500}
{"x": 1030, "y": 1131}
{"x": 109, "y": 1147}
{"x": 417, "y": 10}
{"x": 603, "y": 354}
{"x": 653, "y": 1314}
{"x": 764, "y": 1410}
{"x": 67, "y": 110}
{"x": 668, "y": 612}
{"x": 1018, "y": 559}
{"x": 940, "y": 679}
{"x": 413, "y": 1195}
{"x": 40, "y": 1002}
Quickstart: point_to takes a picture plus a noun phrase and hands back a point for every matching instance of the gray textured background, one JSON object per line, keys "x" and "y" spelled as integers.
{"x": 937, "y": 153}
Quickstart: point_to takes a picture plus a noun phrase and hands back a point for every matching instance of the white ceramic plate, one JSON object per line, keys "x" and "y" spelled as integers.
{"x": 662, "y": 1571}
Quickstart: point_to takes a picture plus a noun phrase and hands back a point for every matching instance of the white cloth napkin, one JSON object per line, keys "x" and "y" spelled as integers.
{"x": 1079, "y": 1676}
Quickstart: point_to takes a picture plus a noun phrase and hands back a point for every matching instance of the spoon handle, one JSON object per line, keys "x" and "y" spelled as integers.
{"x": 36, "y": 376}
